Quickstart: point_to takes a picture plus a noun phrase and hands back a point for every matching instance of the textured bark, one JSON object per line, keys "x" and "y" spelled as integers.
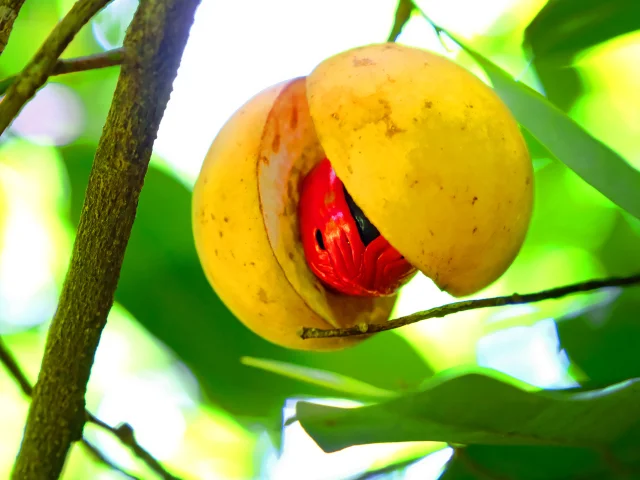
{"x": 153, "y": 48}
{"x": 39, "y": 68}
{"x": 9, "y": 10}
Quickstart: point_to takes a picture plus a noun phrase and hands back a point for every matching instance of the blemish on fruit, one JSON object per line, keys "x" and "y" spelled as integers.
{"x": 362, "y": 62}
{"x": 275, "y": 144}
{"x": 475, "y": 199}
{"x": 262, "y": 296}
{"x": 293, "y": 123}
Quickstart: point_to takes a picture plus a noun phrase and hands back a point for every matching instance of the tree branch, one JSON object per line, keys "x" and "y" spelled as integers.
{"x": 403, "y": 13}
{"x": 37, "y": 71}
{"x": 124, "y": 433}
{"x": 154, "y": 44}
{"x": 106, "y": 59}
{"x": 444, "y": 310}
{"x": 100, "y": 457}
{"x": 9, "y": 10}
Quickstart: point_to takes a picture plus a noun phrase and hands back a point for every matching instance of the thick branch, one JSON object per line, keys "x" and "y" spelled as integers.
{"x": 37, "y": 71}
{"x": 153, "y": 46}
{"x": 444, "y": 310}
{"x": 110, "y": 58}
{"x": 9, "y": 10}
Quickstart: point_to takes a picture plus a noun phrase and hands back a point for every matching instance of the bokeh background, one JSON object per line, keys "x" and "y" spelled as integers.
{"x": 172, "y": 360}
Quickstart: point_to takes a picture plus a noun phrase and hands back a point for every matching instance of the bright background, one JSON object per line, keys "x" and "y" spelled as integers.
{"x": 235, "y": 50}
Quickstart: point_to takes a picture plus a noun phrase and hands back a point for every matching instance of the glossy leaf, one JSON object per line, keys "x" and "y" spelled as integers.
{"x": 531, "y": 463}
{"x": 163, "y": 286}
{"x": 314, "y": 376}
{"x": 591, "y": 159}
{"x": 564, "y": 28}
{"x": 604, "y": 341}
{"x": 477, "y": 408}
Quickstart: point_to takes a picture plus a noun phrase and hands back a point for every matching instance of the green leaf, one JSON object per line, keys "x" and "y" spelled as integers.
{"x": 162, "y": 284}
{"x": 591, "y": 159}
{"x": 476, "y": 408}
{"x": 314, "y": 376}
{"x": 529, "y": 463}
{"x": 564, "y": 28}
{"x": 604, "y": 341}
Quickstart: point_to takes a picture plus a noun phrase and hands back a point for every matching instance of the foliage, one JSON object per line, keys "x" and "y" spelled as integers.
{"x": 587, "y": 210}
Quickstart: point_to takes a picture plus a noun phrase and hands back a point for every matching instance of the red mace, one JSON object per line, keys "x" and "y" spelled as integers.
{"x": 342, "y": 247}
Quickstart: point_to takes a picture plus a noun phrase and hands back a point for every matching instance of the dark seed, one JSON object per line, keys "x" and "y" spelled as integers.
{"x": 368, "y": 233}
{"x": 319, "y": 240}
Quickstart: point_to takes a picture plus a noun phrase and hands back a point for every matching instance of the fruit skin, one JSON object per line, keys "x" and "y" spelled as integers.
{"x": 431, "y": 155}
{"x": 231, "y": 239}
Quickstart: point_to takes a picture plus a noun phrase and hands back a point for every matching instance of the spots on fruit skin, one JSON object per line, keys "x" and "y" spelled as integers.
{"x": 262, "y": 296}
{"x": 362, "y": 62}
{"x": 475, "y": 199}
{"x": 226, "y": 219}
{"x": 475, "y": 229}
{"x": 428, "y": 104}
{"x": 275, "y": 144}
{"x": 221, "y": 233}
{"x": 293, "y": 123}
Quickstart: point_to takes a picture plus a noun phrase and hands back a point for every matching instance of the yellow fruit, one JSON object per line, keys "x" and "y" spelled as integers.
{"x": 429, "y": 153}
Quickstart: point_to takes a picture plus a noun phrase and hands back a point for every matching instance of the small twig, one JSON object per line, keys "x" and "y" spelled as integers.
{"x": 9, "y": 10}
{"x": 403, "y": 14}
{"x": 100, "y": 457}
{"x": 39, "y": 68}
{"x": 16, "y": 372}
{"x": 110, "y": 58}
{"x": 124, "y": 433}
{"x": 444, "y": 310}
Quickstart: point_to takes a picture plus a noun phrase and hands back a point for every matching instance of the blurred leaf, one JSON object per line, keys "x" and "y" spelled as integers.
{"x": 604, "y": 341}
{"x": 478, "y": 408}
{"x": 591, "y": 159}
{"x": 314, "y": 376}
{"x": 563, "y": 28}
{"x": 620, "y": 252}
{"x": 528, "y": 463}
{"x": 162, "y": 284}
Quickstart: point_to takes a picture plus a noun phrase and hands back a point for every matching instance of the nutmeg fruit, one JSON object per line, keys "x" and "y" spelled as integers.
{"x": 434, "y": 170}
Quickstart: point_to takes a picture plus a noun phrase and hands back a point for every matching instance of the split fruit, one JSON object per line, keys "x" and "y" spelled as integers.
{"x": 324, "y": 194}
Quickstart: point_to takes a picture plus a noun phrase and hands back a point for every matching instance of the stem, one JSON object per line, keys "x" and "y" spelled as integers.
{"x": 9, "y": 10}
{"x": 37, "y": 71}
{"x": 403, "y": 13}
{"x": 106, "y": 59}
{"x": 100, "y": 457}
{"x": 444, "y": 310}
{"x": 154, "y": 44}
